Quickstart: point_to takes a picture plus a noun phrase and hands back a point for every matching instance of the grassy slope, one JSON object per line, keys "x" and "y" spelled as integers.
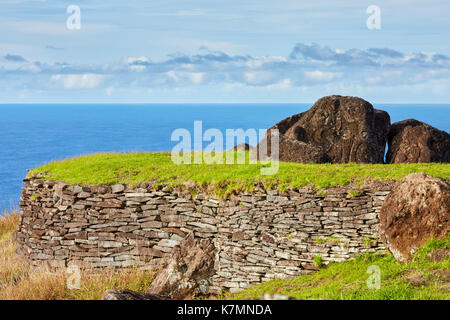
{"x": 18, "y": 281}
{"x": 134, "y": 168}
{"x": 347, "y": 280}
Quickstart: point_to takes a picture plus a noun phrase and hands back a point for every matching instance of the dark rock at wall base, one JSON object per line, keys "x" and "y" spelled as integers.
{"x": 187, "y": 271}
{"x": 336, "y": 129}
{"x": 128, "y": 295}
{"x": 416, "y": 209}
{"x": 412, "y": 141}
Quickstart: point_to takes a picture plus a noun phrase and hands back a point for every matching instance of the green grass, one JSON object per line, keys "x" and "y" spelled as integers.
{"x": 135, "y": 168}
{"x": 347, "y": 280}
{"x": 318, "y": 261}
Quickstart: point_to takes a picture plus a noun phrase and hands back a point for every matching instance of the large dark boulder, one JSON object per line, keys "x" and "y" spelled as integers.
{"x": 412, "y": 141}
{"x": 336, "y": 129}
{"x": 416, "y": 209}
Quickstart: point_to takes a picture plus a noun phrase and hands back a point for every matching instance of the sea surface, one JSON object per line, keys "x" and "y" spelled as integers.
{"x": 32, "y": 135}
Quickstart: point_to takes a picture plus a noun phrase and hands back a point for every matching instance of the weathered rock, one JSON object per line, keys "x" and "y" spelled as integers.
{"x": 438, "y": 255}
{"x": 336, "y": 129}
{"x": 290, "y": 150}
{"x": 417, "y": 208}
{"x": 443, "y": 274}
{"x": 186, "y": 272}
{"x": 127, "y": 295}
{"x": 117, "y": 188}
{"x": 242, "y": 147}
{"x": 412, "y": 141}
{"x": 415, "y": 278}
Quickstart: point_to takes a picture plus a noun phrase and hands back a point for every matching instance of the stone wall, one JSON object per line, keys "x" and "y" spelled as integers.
{"x": 258, "y": 236}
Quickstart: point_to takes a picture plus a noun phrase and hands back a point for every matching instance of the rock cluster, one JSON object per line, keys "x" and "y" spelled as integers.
{"x": 412, "y": 141}
{"x": 416, "y": 209}
{"x": 340, "y": 129}
{"x": 252, "y": 237}
{"x": 336, "y": 129}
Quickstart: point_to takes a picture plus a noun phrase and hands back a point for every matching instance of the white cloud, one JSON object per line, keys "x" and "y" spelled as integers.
{"x": 109, "y": 91}
{"x": 318, "y": 75}
{"x": 258, "y": 77}
{"x": 284, "y": 84}
{"x": 382, "y": 67}
{"x": 172, "y": 75}
{"x": 134, "y": 60}
{"x": 189, "y": 77}
{"x": 374, "y": 80}
{"x": 138, "y": 68}
{"x": 196, "y": 77}
{"x": 79, "y": 81}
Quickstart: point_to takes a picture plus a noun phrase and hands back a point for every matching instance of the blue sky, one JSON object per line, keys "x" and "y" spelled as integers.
{"x": 224, "y": 51}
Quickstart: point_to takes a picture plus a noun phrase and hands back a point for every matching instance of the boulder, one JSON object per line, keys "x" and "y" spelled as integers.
{"x": 127, "y": 295}
{"x": 416, "y": 209}
{"x": 290, "y": 150}
{"x": 187, "y": 271}
{"x": 412, "y": 141}
{"x": 336, "y": 129}
{"x": 437, "y": 255}
{"x": 242, "y": 147}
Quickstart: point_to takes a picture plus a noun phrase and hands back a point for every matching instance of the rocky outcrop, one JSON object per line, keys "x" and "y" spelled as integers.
{"x": 412, "y": 141}
{"x": 416, "y": 209}
{"x": 187, "y": 271}
{"x": 336, "y": 129}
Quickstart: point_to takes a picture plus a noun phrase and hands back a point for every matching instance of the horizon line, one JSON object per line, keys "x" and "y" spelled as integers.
{"x": 204, "y": 103}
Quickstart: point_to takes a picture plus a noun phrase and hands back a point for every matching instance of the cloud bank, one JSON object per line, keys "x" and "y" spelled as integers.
{"x": 307, "y": 65}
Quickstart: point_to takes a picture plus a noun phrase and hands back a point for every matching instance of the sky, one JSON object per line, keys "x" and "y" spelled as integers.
{"x": 229, "y": 51}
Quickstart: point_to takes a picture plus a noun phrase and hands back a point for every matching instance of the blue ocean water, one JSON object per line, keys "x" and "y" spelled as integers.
{"x": 31, "y": 135}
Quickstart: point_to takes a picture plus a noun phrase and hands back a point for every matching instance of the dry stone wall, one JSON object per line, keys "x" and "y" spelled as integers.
{"x": 258, "y": 236}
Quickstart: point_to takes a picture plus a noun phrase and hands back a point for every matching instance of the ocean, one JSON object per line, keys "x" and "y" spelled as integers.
{"x": 34, "y": 134}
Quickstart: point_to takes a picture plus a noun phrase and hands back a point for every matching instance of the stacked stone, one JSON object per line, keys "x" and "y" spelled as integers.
{"x": 107, "y": 226}
{"x": 278, "y": 234}
{"x": 258, "y": 236}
